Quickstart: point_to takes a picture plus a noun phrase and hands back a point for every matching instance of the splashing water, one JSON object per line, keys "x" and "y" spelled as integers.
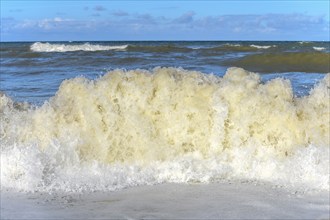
{"x": 137, "y": 127}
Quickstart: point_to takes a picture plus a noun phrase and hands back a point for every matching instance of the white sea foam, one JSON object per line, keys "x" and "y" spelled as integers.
{"x": 262, "y": 47}
{"x": 48, "y": 47}
{"x": 319, "y": 48}
{"x": 168, "y": 125}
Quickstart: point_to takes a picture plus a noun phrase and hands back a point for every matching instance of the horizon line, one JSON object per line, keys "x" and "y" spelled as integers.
{"x": 31, "y": 41}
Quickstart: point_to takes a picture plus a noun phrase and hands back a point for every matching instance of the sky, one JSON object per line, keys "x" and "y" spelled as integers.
{"x": 56, "y": 20}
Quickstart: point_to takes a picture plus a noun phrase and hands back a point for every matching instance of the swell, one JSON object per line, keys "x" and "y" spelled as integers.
{"x": 24, "y": 54}
{"x": 160, "y": 49}
{"x": 284, "y": 62}
{"x": 180, "y": 47}
{"x": 219, "y": 48}
{"x": 238, "y": 48}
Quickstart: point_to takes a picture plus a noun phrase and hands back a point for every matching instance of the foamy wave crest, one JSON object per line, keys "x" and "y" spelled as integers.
{"x": 47, "y": 47}
{"x": 262, "y": 47}
{"x": 169, "y": 125}
{"x": 319, "y": 48}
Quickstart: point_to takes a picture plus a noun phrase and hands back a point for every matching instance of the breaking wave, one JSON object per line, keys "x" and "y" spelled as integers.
{"x": 175, "y": 47}
{"x": 240, "y": 48}
{"x": 137, "y": 127}
{"x": 262, "y": 47}
{"x": 319, "y": 48}
{"x": 55, "y": 47}
{"x": 47, "y": 47}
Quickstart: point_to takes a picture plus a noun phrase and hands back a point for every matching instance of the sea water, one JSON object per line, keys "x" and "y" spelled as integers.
{"x": 90, "y": 116}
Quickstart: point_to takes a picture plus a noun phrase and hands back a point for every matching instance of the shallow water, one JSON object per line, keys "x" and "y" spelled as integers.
{"x": 171, "y": 201}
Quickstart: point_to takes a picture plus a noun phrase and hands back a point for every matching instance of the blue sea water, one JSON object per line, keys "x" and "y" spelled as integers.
{"x": 32, "y": 71}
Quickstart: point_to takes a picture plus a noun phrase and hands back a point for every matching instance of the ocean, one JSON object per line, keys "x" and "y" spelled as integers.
{"x": 105, "y": 116}
{"x": 33, "y": 71}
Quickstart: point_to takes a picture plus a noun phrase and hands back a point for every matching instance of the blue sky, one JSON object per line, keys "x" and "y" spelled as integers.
{"x": 164, "y": 20}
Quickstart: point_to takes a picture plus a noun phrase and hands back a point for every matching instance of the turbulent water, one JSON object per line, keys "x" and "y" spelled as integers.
{"x": 70, "y": 122}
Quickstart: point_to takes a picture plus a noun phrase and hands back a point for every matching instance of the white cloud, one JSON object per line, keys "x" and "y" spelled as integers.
{"x": 120, "y": 13}
{"x": 45, "y": 24}
{"x": 187, "y": 17}
{"x": 187, "y": 24}
{"x": 99, "y": 8}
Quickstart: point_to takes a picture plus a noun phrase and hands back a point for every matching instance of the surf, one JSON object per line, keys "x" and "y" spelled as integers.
{"x": 141, "y": 127}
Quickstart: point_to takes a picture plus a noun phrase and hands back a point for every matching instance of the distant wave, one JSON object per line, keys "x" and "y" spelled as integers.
{"x": 159, "y": 48}
{"x": 174, "y": 48}
{"x": 305, "y": 42}
{"x": 262, "y": 47}
{"x": 241, "y": 48}
{"x": 48, "y": 47}
{"x": 319, "y": 48}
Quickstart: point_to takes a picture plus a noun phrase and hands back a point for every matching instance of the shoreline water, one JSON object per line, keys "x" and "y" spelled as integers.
{"x": 226, "y": 200}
